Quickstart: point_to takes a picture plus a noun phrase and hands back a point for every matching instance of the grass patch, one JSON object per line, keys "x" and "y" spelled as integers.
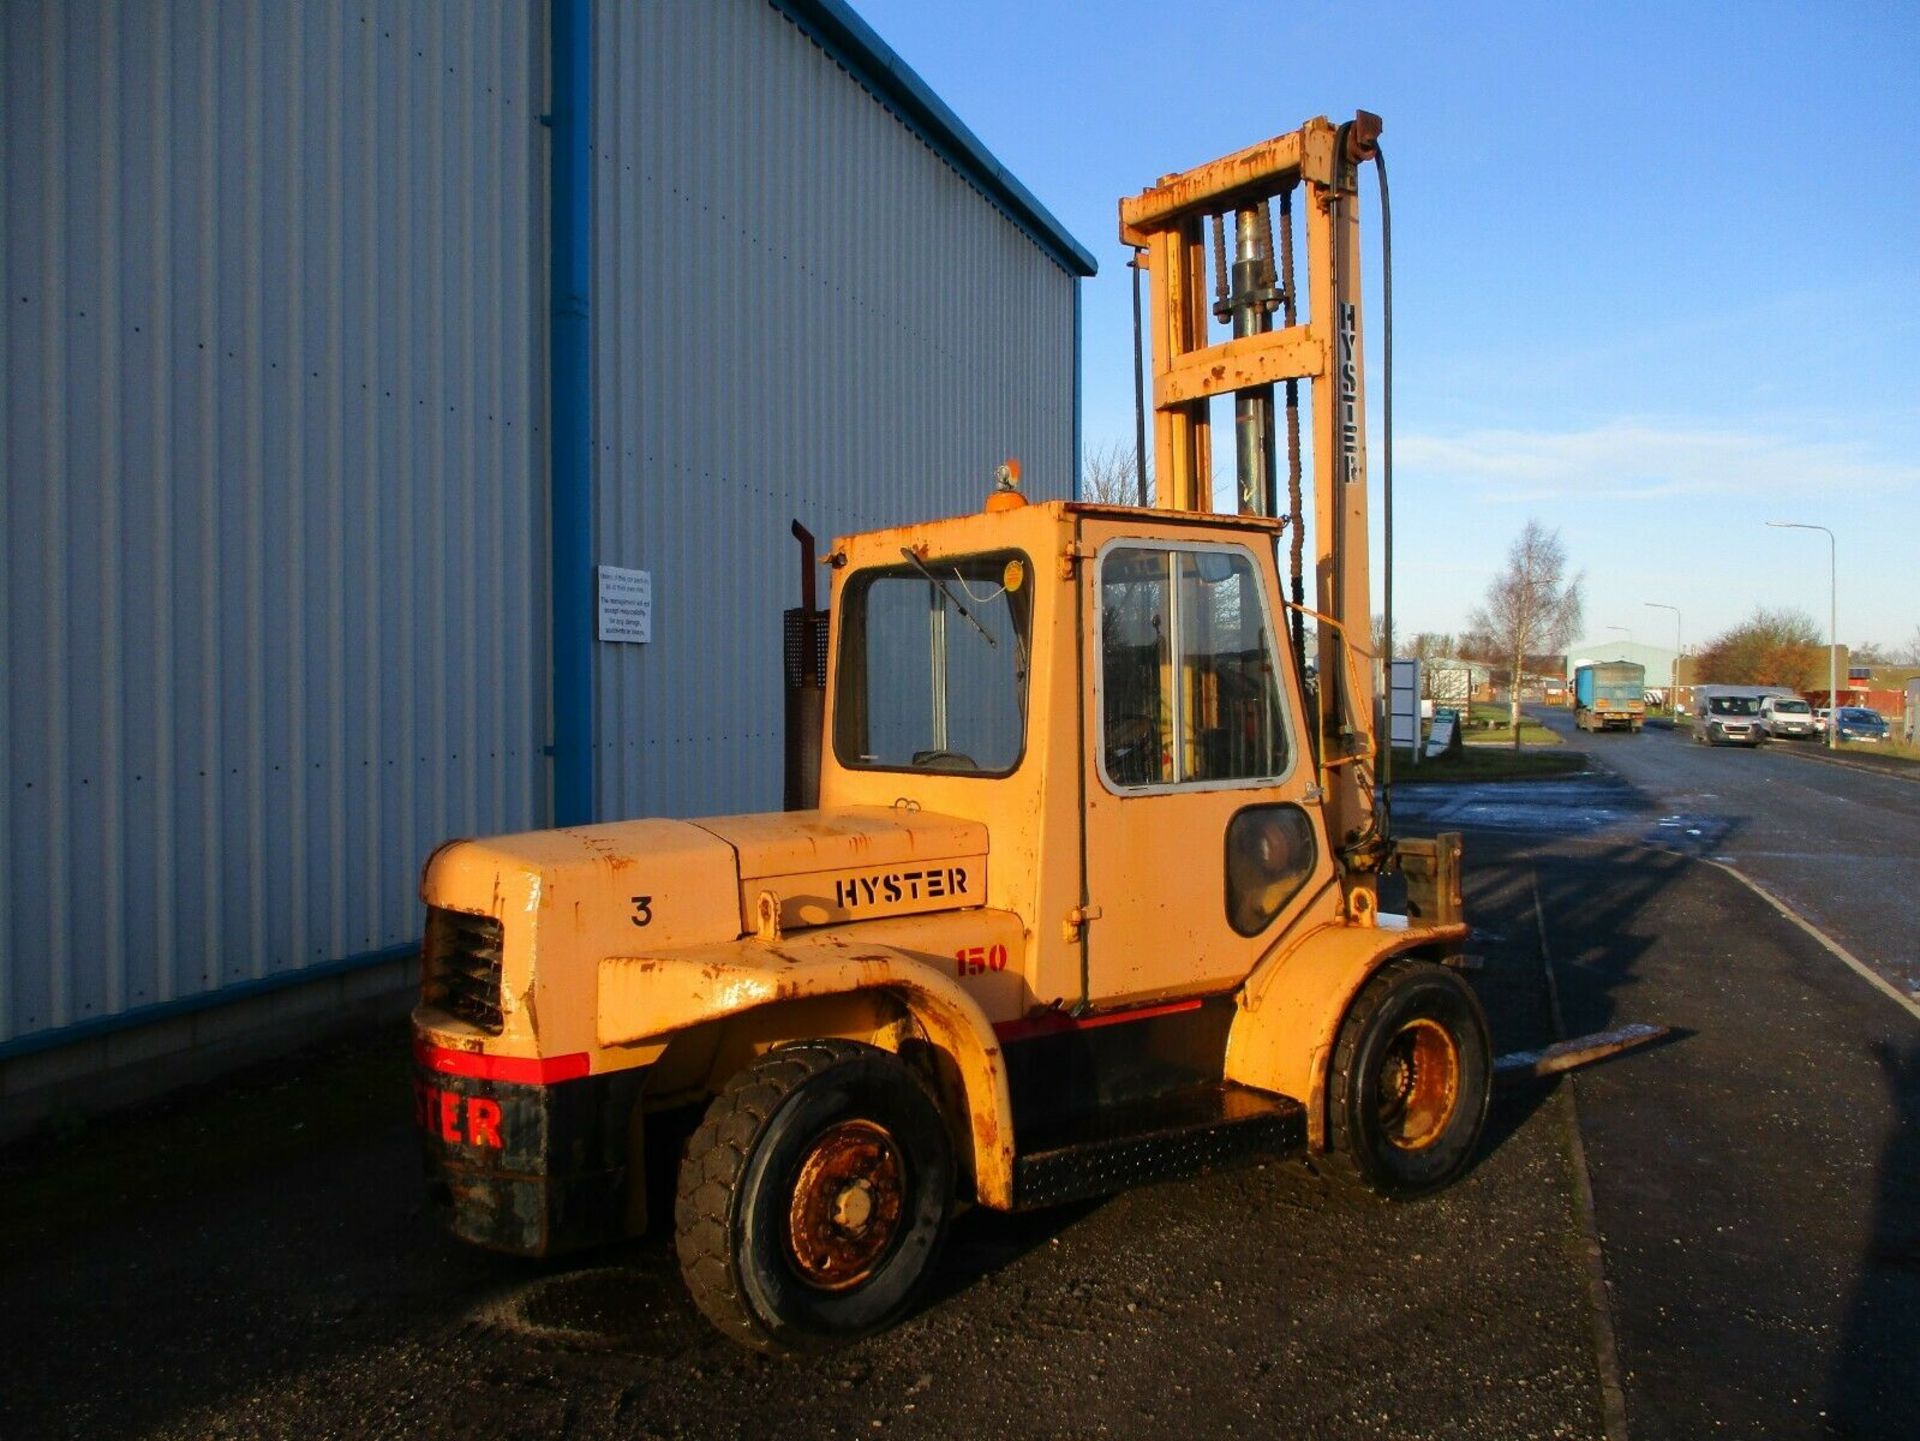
{"x": 1486, "y": 763}
{"x": 1492, "y": 725}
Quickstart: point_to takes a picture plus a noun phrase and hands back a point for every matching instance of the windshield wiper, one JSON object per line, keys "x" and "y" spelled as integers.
{"x": 965, "y": 614}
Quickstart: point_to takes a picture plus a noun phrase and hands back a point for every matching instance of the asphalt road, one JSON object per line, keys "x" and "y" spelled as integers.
{"x": 1839, "y": 843}
{"x": 256, "y": 1261}
{"x": 1756, "y": 1183}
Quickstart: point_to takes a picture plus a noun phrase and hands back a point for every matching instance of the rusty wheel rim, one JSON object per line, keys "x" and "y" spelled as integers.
{"x": 1418, "y": 1085}
{"x": 846, "y": 1205}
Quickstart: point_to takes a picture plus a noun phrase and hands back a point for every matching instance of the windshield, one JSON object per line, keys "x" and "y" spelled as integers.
{"x": 1790, "y": 707}
{"x": 1854, "y": 713}
{"x": 1733, "y": 705}
{"x": 933, "y": 665}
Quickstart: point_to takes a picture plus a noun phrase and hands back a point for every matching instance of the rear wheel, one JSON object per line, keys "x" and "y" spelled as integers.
{"x": 814, "y": 1197}
{"x": 1411, "y": 1078}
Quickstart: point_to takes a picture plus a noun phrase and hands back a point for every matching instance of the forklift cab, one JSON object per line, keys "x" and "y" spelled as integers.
{"x": 1141, "y": 651}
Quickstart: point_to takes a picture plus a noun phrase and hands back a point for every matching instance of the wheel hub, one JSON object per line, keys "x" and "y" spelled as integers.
{"x": 846, "y": 1205}
{"x": 1418, "y": 1084}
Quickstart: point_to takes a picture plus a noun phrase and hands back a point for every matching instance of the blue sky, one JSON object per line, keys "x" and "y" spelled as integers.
{"x": 1657, "y": 267}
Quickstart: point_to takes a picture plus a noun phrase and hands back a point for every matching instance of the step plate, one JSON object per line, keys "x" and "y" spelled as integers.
{"x": 1187, "y": 1133}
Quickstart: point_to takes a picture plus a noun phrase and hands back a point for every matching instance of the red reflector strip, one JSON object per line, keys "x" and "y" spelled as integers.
{"x": 521, "y": 1070}
{"x": 1053, "y": 1023}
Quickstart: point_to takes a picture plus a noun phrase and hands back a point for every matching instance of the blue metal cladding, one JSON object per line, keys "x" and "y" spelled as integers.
{"x": 272, "y": 610}
{"x": 1079, "y": 410}
{"x": 804, "y": 307}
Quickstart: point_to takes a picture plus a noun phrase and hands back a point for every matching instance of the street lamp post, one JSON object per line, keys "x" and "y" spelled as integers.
{"x": 1673, "y": 684}
{"x": 1833, "y": 629}
{"x": 1624, "y": 630}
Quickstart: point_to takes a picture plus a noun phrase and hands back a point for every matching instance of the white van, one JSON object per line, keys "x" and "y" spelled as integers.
{"x": 1726, "y": 715}
{"x": 1787, "y": 717}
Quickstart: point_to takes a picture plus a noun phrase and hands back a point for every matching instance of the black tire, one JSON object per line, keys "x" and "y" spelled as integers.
{"x": 796, "y": 1141}
{"x": 1410, "y": 1081}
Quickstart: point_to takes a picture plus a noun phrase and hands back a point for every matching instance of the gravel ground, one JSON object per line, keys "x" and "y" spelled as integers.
{"x": 256, "y": 1260}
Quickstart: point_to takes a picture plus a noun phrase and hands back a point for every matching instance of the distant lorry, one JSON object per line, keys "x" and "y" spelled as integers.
{"x": 1610, "y": 695}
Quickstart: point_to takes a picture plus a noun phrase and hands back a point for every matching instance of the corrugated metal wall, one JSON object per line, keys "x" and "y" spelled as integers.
{"x": 274, "y": 463}
{"x": 800, "y": 311}
{"x": 274, "y": 481}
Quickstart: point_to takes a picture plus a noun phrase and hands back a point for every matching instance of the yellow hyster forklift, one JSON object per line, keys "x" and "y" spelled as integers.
{"x": 1087, "y": 894}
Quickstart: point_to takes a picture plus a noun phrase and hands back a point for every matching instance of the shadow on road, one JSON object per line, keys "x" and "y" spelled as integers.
{"x": 1598, "y": 932}
{"x": 1602, "y": 932}
{"x": 1873, "y": 1378}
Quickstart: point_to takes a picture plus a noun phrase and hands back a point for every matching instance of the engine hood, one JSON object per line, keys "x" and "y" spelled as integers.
{"x": 854, "y": 863}
{"x": 567, "y": 899}
{"x": 666, "y": 883}
{"x": 662, "y": 883}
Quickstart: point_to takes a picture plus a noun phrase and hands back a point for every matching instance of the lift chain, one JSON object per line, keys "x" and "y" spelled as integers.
{"x": 1295, "y": 500}
{"x": 1222, "y": 303}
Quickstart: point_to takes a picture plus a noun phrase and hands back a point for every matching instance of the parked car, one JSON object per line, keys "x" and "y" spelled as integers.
{"x": 1786, "y": 717}
{"x": 1857, "y": 723}
{"x": 1821, "y": 715}
{"x": 1730, "y": 719}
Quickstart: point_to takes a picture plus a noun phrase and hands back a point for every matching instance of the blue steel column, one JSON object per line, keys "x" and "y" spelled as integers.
{"x": 571, "y": 412}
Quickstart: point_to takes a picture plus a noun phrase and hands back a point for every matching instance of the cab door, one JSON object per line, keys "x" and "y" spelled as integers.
{"x": 1204, "y": 836}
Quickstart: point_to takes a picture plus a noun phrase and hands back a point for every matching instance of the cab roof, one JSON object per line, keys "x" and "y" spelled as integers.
{"x": 1021, "y": 517}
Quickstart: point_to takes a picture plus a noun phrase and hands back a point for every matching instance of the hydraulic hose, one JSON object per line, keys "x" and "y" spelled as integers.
{"x": 1386, "y": 485}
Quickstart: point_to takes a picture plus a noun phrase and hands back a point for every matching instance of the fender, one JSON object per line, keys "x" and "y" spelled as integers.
{"x": 1290, "y": 1009}
{"x": 649, "y": 997}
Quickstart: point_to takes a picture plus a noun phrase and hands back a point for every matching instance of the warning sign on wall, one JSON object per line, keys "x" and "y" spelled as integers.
{"x": 626, "y": 604}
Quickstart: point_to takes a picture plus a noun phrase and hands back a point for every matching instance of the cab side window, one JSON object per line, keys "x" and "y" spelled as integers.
{"x": 1189, "y": 678}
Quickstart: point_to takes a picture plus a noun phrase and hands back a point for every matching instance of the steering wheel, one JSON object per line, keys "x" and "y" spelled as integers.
{"x": 937, "y": 760}
{"x": 1132, "y": 757}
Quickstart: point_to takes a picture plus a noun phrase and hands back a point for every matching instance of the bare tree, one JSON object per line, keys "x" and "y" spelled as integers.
{"x": 1431, "y": 645}
{"x": 1913, "y": 647}
{"x": 1532, "y": 606}
{"x": 1870, "y": 652}
{"x": 1477, "y": 644}
{"x": 1109, "y": 475}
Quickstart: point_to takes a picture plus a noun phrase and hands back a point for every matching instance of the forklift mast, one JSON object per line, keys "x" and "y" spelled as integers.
{"x": 1170, "y": 226}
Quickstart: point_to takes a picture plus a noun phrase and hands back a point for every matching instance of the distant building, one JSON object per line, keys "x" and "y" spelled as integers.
{"x": 1453, "y": 682}
{"x": 1658, "y": 660}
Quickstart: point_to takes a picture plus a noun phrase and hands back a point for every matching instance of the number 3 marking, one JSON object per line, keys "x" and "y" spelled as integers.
{"x": 642, "y": 910}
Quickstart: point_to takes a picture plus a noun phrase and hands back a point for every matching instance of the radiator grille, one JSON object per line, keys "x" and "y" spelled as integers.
{"x": 462, "y": 974}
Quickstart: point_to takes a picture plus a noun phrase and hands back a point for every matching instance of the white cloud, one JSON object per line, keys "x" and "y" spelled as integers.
{"x": 1631, "y": 460}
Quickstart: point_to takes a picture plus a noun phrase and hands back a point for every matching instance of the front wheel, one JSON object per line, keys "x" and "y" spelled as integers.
{"x": 1410, "y": 1081}
{"x": 813, "y": 1197}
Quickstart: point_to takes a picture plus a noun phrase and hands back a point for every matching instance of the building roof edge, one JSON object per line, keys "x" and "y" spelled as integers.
{"x": 854, "y": 45}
